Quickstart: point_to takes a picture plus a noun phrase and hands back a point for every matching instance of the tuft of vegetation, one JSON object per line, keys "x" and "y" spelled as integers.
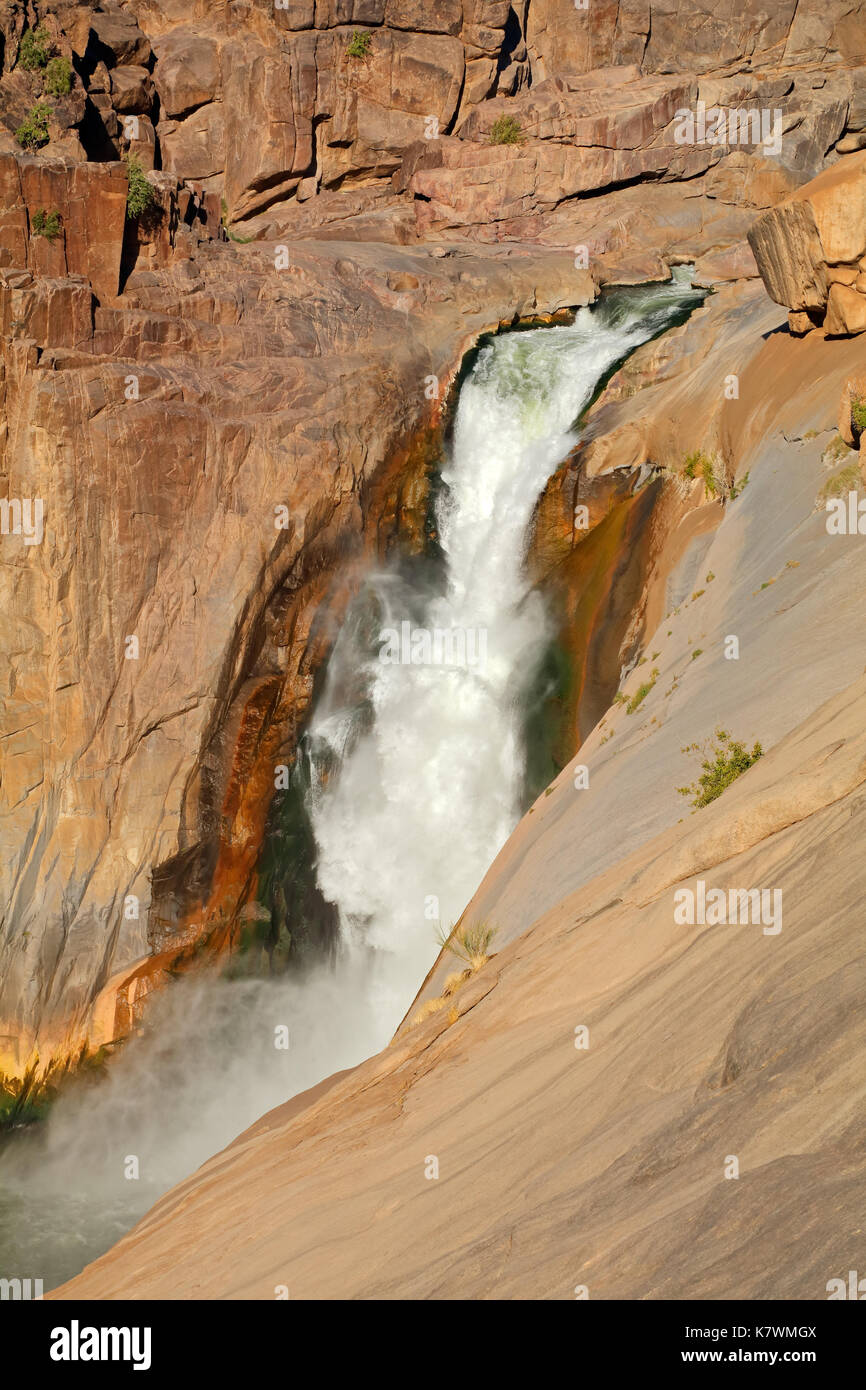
{"x": 140, "y": 194}
{"x": 58, "y": 77}
{"x": 641, "y": 693}
{"x": 46, "y": 224}
{"x": 721, "y": 765}
{"x": 506, "y": 130}
{"x": 858, "y": 414}
{"x": 698, "y": 651}
{"x": 453, "y": 983}
{"x": 846, "y": 480}
{"x": 227, "y": 226}
{"x": 837, "y": 449}
{"x": 34, "y": 49}
{"x": 359, "y": 45}
{"x": 32, "y": 133}
{"x": 431, "y": 1006}
{"x": 710, "y": 469}
{"x": 736, "y": 488}
{"x": 691, "y": 464}
{"x": 470, "y": 943}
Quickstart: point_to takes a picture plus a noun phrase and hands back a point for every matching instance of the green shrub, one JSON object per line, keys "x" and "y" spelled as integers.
{"x": 506, "y": 131}
{"x": 721, "y": 765}
{"x": 46, "y": 224}
{"x": 359, "y": 45}
{"x": 858, "y": 414}
{"x": 34, "y": 49}
{"x": 58, "y": 77}
{"x": 33, "y": 130}
{"x": 140, "y": 194}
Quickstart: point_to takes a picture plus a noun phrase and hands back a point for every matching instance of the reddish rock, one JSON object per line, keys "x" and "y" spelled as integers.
{"x": 91, "y": 201}
{"x": 187, "y": 70}
{"x": 846, "y": 311}
{"x": 118, "y": 34}
{"x": 131, "y": 89}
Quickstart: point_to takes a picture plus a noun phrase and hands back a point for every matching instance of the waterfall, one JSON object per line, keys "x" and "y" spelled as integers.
{"x": 416, "y": 758}
{"x": 425, "y": 760}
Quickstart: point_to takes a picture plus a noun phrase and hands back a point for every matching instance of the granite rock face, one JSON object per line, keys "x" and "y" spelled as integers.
{"x": 811, "y": 250}
{"x": 167, "y": 386}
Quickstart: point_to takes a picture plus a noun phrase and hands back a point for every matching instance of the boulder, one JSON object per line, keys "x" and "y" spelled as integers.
{"x": 846, "y": 312}
{"x": 187, "y": 73}
{"x": 120, "y": 39}
{"x": 195, "y": 148}
{"x": 131, "y": 90}
{"x": 809, "y": 248}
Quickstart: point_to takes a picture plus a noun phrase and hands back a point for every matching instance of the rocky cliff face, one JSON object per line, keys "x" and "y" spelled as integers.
{"x": 219, "y": 431}
{"x": 811, "y": 251}
{"x": 603, "y": 1071}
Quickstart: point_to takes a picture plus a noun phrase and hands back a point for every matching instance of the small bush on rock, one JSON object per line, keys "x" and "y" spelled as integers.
{"x": 359, "y": 45}
{"x": 58, "y": 77}
{"x": 34, "y": 49}
{"x": 721, "y": 765}
{"x": 140, "y": 194}
{"x": 506, "y": 131}
{"x": 46, "y": 224}
{"x": 32, "y": 133}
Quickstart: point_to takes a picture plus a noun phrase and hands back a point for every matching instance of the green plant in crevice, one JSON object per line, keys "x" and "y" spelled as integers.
{"x": 359, "y": 45}
{"x": 46, "y": 224}
{"x": 721, "y": 765}
{"x": 58, "y": 77}
{"x": 34, "y": 49}
{"x": 858, "y": 413}
{"x": 641, "y": 693}
{"x": 227, "y": 226}
{"x": 506, "y": 130}
{"x": 139, "y": 196}
{"x": 736, "y": 489}
{"x": 32, "y": 133}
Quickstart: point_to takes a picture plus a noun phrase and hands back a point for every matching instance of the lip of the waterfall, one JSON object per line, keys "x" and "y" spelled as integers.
{"x": 675, "y": 300}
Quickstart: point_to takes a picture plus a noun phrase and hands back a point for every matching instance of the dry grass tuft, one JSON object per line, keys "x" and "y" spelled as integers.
{"x": 470, "y": 943}
{"x": 432, "y": 1006}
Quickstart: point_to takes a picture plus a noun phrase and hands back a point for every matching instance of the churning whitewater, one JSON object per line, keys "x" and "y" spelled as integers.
{"x": 415, "y": 769}
{"x": 430, "y": 761}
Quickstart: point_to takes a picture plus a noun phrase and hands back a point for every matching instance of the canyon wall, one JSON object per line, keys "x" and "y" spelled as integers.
{"x": 221, "y": 432}
{"x": 617, "y": 1104}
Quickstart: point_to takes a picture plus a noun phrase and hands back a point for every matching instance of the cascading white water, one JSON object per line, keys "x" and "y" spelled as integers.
{"x": 430, "y": 771}
{"x": 416, "y": 779}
